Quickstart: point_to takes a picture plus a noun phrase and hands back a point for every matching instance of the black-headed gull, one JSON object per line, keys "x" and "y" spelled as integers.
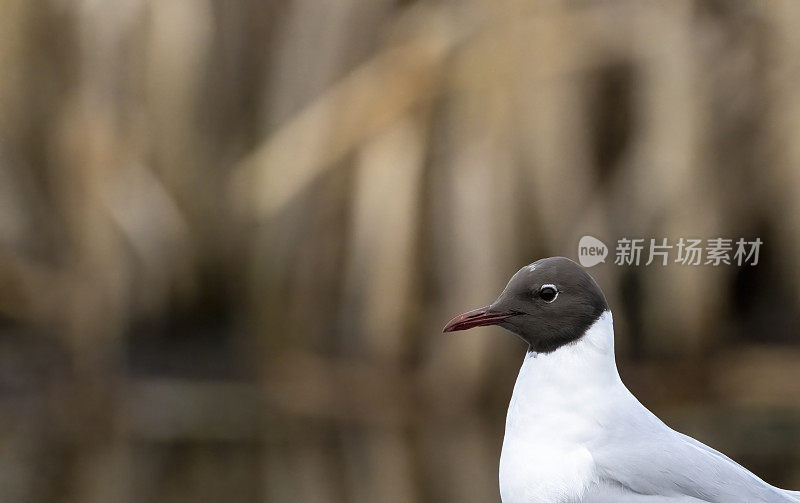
{"x": 574, "y": 433}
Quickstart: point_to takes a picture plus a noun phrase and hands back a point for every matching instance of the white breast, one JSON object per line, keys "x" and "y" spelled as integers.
{"x": 559, "y": 405}
{"x": 574, "y": 433}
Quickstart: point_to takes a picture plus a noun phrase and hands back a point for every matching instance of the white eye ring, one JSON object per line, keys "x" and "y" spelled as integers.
{"x": 548, "y": 285}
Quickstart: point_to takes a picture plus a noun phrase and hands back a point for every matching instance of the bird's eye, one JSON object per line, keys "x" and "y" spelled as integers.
{"x": 548, "y": 293}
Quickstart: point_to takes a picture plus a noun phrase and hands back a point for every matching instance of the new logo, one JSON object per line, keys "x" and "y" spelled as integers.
{"x": 591, "y": 251}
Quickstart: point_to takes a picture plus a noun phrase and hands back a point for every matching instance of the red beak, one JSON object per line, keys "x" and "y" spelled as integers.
{"x": 477, "y": 318}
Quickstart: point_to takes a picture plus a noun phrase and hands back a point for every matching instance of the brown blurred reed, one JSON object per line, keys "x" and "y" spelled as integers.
{"x": 230, "y": 233}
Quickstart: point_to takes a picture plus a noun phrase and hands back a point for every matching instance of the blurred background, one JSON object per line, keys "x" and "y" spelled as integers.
{"x": 231, "y": 232}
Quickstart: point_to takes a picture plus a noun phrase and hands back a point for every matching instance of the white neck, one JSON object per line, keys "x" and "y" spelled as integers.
{"x": 568, "y": 379}
{"x": 587, "y": 362}
{"x": 559, "y": 401}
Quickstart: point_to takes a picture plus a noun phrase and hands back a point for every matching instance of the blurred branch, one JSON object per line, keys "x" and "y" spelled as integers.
{"x": 372, "y": 96}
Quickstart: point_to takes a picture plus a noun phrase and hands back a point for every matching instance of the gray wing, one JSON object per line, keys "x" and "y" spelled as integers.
{"x": 651, "y": 459}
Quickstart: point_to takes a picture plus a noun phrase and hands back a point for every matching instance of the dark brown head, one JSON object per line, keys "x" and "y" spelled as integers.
{"x": 548, "y": 304}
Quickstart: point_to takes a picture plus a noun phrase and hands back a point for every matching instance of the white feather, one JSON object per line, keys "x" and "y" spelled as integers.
{"x": 574, "y": 433}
